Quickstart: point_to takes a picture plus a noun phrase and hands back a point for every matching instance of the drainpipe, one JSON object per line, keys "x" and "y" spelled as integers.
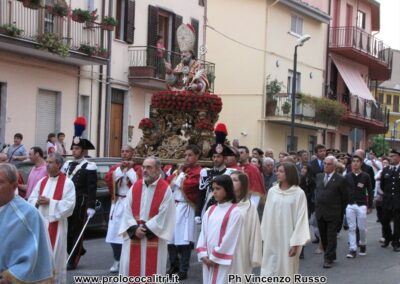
{"x": 205, "y": 21}
{"x": 77, "y": 93}
{"x": 108, "y": 89}
{"x": 327, "y": 73}
{"x": 100, "y": 102}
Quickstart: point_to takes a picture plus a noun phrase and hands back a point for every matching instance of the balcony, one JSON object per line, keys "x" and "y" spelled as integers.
{"x": 147, "y": 67}
{"x": 362, "y": 47}
{"x": 365, "y": 114}
{"x": 305, "y": 113}
{"x": 35, "y": 23}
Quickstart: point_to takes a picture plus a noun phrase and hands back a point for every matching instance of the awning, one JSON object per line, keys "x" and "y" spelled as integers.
{"x": 352, "y": 78}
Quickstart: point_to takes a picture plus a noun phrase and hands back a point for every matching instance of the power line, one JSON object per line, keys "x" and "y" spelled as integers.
{"x": 236, "y": 41}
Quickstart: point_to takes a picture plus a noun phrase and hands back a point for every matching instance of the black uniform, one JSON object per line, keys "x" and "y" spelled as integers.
{"x": 390, "y": 185}
{"x": 84, "y": 176}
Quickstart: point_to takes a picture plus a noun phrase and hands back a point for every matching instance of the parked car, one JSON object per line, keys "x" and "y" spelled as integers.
{"x": 103, "y": 198}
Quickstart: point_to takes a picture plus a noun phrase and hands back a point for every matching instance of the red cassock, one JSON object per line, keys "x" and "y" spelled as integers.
{"x": 255, "y": 179}
{"x": 190, "y": 184}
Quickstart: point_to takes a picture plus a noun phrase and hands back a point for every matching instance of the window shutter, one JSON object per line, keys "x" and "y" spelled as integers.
{"x": 129, "y": 21}
{"x": 152, "y": 28}
{"x": 195, "y": 24}
{"x": 175, "y": 47}
{"x": 45, "y": 116}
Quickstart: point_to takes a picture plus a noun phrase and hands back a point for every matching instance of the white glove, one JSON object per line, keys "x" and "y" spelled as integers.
{"x": 197, "y": 219}
{"x": 90, "y": 212}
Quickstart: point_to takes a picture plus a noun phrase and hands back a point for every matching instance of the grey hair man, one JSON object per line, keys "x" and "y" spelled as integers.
{"x": 148, "y": 223}
{"x": 268, "y": 171}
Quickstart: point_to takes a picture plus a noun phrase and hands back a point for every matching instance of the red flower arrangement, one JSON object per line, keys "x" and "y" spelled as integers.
{"x": 186, "y": 101}
{"x": 204, "y": 125}
{"x": 146, "y": 123}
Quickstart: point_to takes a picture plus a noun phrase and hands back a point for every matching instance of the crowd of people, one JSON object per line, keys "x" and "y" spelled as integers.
{"x": 254, "y": 211}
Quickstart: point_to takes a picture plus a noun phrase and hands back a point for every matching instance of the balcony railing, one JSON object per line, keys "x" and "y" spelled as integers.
{"x": 359, "y": 108}
{"x": 353, "y": 37}
{"x": 152, "y": 59}
{"x": 36, "y": 22}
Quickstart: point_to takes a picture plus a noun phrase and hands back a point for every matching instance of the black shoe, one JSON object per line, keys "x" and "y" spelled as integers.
{"x": 396, "y": 248}
{"x": 172, "y": 270}
{"x": 363, "y": 250}
{"x": 351, "y": 254}
{"x": 385, "y": 244}
{"x": 182, "y": 275}
{"x": 345, "y": 227}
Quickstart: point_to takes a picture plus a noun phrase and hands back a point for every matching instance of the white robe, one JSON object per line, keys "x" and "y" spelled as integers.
{"x": 184, "y": 232}
{"x": 248, "y": 252}
{"x": 117, "y": 207}
{"x": 57, "y": 210}
{"x": 284, "y": 224}
{"x": 208, "y": 243}
{"x": 162, "y": 225}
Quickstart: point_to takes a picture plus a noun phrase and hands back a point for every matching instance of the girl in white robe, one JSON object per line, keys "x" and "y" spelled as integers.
{"x": 284, "y": 227}
{"x": 220, "y": 231}
{"x": 248, "y": 252}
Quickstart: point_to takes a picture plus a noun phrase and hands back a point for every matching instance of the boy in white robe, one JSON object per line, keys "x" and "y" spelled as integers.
{"x": 55, "y": 210}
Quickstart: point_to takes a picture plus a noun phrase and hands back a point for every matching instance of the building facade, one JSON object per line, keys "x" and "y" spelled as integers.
{"x": 257, "y": 50}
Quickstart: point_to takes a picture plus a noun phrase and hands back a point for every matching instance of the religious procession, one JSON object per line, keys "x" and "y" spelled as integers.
{"x": 166, "y": 179}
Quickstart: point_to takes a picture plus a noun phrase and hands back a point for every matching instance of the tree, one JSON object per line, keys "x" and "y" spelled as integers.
{"x": 379, "y": 145}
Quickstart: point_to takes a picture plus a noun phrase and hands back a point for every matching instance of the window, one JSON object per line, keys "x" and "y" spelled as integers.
{"x": 289, "y": 82}
{"x": 361, "y": 19}
{"x": 288, "y": 144}
{"x": 296, "y": 25}
{"x": 201, "y": 3}
{"x": 396, "y": 103}
{"x": 90, "y": 5}
{"x": 125, "y": 14}
{"x": 344, "y": 143}
{"x": 388, "y": 99}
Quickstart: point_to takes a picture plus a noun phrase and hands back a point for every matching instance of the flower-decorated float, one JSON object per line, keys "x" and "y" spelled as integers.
{"x": 183, "y": 114}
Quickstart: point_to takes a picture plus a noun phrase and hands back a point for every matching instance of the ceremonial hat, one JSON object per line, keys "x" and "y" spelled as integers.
{"x": 220, "y": 134}
{"x": 79, "y": 127}
{"x": 186, "y": 37}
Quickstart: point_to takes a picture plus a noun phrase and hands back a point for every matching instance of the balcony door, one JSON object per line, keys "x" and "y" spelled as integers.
{"x": 116, "y": 123}
{"x": 349, "y": 25}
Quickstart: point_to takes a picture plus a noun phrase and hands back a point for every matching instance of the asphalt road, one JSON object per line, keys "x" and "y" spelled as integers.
{"x": 378, "y": 266}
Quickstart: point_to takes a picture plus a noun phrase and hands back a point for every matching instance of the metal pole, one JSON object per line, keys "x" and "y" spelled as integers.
{"x": 108, "y": 89}
{"x": 293, "y": 99}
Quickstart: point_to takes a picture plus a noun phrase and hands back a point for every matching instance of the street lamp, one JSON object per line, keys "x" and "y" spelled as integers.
{"x": 300, "y": 42}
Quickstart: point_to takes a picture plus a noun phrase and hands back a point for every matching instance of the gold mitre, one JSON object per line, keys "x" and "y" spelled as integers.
{"x": 186, "y": 37}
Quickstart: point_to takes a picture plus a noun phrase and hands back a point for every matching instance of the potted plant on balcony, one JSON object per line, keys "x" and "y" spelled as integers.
{"x": 31, "y": 4}
{"x": 108, "y": 23}
{"x": 329, "y": 111}
{"x": 59, "y": 9}
{"x": 102, "y": 52}
{"x": 10, "y": 30}
{"x": 81, "y": 16}
{"x": 87, "y": 49}
{"x": 53, "y": 43}
{"x": 273, "y": 87}
{"x": 286, "y": 107}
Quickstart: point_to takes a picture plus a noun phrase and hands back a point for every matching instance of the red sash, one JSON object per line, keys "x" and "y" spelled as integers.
{"x": 152, "y": 245}
{"x": 58, "y": 193}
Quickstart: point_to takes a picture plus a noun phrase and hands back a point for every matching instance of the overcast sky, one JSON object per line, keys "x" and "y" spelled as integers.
{"x": 390, "y": 23}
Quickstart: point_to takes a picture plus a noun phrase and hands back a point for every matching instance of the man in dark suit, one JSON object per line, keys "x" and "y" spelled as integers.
{"x": 390, "y": 185}
{"x": 317, "y": 166}
{"x": 331, "y": 196}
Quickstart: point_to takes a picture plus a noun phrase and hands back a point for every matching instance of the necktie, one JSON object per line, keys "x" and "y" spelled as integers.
{"x": 321, "y": 165}
{"x": 63, "y": 149}
{"x": 326, "y": 180}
